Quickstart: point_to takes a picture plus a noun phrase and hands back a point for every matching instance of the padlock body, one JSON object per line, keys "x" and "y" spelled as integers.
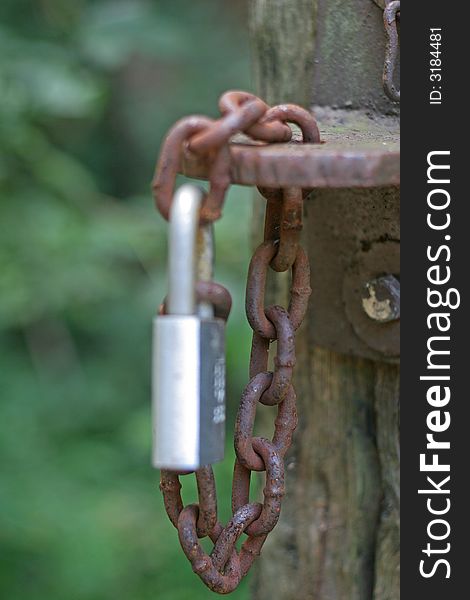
{"x": 188, "y": 392}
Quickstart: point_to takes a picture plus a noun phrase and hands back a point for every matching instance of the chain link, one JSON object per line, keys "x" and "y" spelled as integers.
{"x": 391, "y": 15}
{"x": 223, "y": 569}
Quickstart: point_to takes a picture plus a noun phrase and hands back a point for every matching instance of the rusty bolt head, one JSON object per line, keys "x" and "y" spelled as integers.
{"x": 378, "y": 325}
{"x": 381, "y": 299}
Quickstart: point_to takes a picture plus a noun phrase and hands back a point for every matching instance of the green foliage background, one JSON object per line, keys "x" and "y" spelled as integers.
{"x": 87, "y": 90}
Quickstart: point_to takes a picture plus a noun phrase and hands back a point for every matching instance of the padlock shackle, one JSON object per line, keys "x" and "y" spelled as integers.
{"x": 184, "y": 222}
{"x": 205, "y": 265}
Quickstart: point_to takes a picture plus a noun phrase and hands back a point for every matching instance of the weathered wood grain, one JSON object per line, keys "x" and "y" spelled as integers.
{"x": 338, "y": 535}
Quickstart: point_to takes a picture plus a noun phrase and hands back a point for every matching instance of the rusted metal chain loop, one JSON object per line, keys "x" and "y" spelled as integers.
{"x": 285, "y": 423}
{"x": 275, "y": 195}
{"x": 256, "y": 284}
{"x": 226, "y": 541}
{"x": 217, "y": 295}
{"x": 290, "y": 229}
{"x": 242, "y": 112}
{"x": 272, "y": 219}
{"x": 243, "y": 436}
{"x": 240, "y": 486}
{"x": 391, "y": 14}
{"x": 170, "y": 487}
{"x": 207, "y": 494}
{"x": 168, "y": 163}
{"x": 292, "y": 113}
{"x": 255, "y": 290}
{"x": 246, "y": 114}
{"x": 272, "y": 131}
{"x": 202, "y": 563}
{"x": 273, "y": 491}
{"x": 210, "y": 291}
{"x": 259, "y": 354}
{"x": 219, "y": 182}
{"x": 284, "y": 426}
{"x": 300, "y": 289}
{"x": 284, "y": 360}
{"x": 249, "y": 551}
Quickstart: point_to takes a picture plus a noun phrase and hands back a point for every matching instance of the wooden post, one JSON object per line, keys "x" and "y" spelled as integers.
{"x": 338, "y": 536}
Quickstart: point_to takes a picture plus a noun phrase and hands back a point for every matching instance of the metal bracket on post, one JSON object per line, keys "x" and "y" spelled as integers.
{"x": 354, "y": 236}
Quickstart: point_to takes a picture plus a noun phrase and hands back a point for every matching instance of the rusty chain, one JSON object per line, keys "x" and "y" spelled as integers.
{"x": 242, "y": 112}
{"x": 391, "y": 16}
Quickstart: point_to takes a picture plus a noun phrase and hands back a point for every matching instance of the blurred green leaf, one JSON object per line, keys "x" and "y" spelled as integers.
{"x": 111, "y": 32}
{"x": 88, "y": 90}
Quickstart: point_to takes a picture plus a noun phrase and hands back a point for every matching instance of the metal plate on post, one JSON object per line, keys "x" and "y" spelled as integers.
{"x": 353, "y": 238}
{"x": 354, "y": 176}
{"x": 356, "y": 151}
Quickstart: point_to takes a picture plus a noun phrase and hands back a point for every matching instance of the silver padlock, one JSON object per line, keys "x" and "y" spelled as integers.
{"x": 188, "y": 371}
